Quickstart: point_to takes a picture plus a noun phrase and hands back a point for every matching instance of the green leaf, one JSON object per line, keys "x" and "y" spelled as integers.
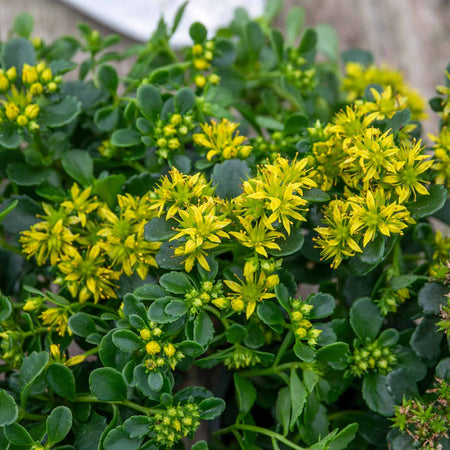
{"x": 137, "y": 426}
{"x": 388, "y": 337}
{"x": 373, "y": 252}
{"x": 166, "y": 258}
{"x": 184, "y": 100}
{"x": 227, "y": 177}
{"x": 304, "y": 352}
{"x": 200, "y": 445}
{"x": 61, "y": 113}
{"x": 159, "y": 229}
{"x": 427, "y": 205}
{"x": 8, "y": 409}
{"x": 150, "y": 101}
{"x": 365, "y": 319}
{"x": 191, "y": 348}
{"x": 344, "y": 437}
{"x": 276, "y": 39}
{"x": 178, "y": 17}
{"x": 18, "y": 435}
{"x": 255, "y": 38}
{"x": 203, "y": 329}
{"x": 323, "y": 305}
{"x": 401, "y": 385}
{"x": 9, "y": 135}
{"x": 107, "y": 118}
{"x": 211, "y": 408}
{"x": 82, "y": 324}
{"x": 59, "y": 423}
{"x": 32, "y": 366}
{"x": 107, "y": 75}
{"x": 236, "y": 334}
{"x": 270, "y": 313}
{"x": 127, "y": 341}
{"x": 79, "y": 165}
{"x": 175, "y": 282}
{"x": 176, "y": 308}
{"x": 156, "y": 312}
{"x": 150, "y": 292}
{"x": 23, "y": 24}
{"x": 426, "y": 340}
{"x": 60, "y": 380}
{"x": 298, "y": 395}
{"x": 155, "y": 381}
{"x": 125, "y": 137}
{"x": 25, "y": 175}
{"x": 198, "y": 32}
{"x": 335, "y": 355}
{"x": 295, "y": 123}
{"x": 376, "y": 394}
{"x": 283, "y": 409}
{"x": 17, "y": 52}
{"x": 22, "y": 216}
{"x": 403, "y": 281}
{"x": 108, "y": 385}
{"x": 362, "y": 57}
{"x": 327, "y": 41}
{"x": 118, "y": 439}
{"x": 309, "y": 41}
{"x": 399, "y": 120}
{"x": 431, "y": 297}
{"x": 294, "y": 24}
{"x": 290, "y": 244}
{"x": 5, "y": 307}
{"x": 245, "y": 394}
{"x": 108, "y": 188}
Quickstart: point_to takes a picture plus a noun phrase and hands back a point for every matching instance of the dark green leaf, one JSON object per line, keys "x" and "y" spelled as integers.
{"x": 426, "y": 339}
{"x": 127, "y": 341}
{"x": 184, "y": 100}
{"x": 276, "y": 39}
{"x": 323, "y": 305}
{"x": 309, "y": 41}
{"x": 365, "y": 319}
{"x": 125, "y": 137}
{"x": 427, "y": 205}
{"x": 304, "y": 352}
{"x": 402, "y": 281}
{"x": 61, "y": 113}
{"x": 335, "y": 355}
{"x": 400, "y": 385}
{"x": 376, "y": 394}
{"x": 59, "y": 423}
{"x": 344, "y": 437}
{"x": 373, "y": 252}
{"x": 283, "y": 409}
{"x": 150, "y": 292}
{"x": 159, "y": 229}
{"x": 17, "y": 52}
{"x": 200, "y": 445}
{"x": 203, "y": 329}
{"x": 290, "y": 244}
{"x": 198, "y": 32}
{"x": 399, "y": 120}
{"x": 327, "y": 41}
{"x": 60, "y": 380}
{"x": 79, "y": 165}
{"x": 118, "y": 439}
{"x": 270, "y": 313}
{"x": 8, "y": 409}
{"x": 191, "y": 348}
{"x": 298, "y": 395}
{"x": 155, "y": 381}
{"x": 211, "y": 408}
{"x": 107, "y": 75}
{"x": 137, "y": 426}
{"x": 432, "y": 296}
{"x": 316, "y": 195}
{"x": 245, "y": 394}
{"x": 107, "y": 384}
{"x": 227, "y": 177}
{"x": 255, "y": 38}
{"x": 388, "y": 337}
{"x": 236, "y": 334}
{"x": 9, "y": 135}
{"x": 175, "y": 282}
{"x": 108, "y": 188}
{"x": 150, "y": 101}
{"x": 32, "y": 366}
{"x": 18, "y": 435}
{"x": 25, "y": 175}
{"x": 107, "y": 118}
{"x": 82, "y": 324}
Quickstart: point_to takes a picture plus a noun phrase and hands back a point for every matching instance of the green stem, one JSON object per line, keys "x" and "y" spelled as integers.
{"x": 260, "y": 430}
{"x": 132, "y": 405}
{"x": 26, "y": 415}
{"x": 217, "y": 314}
{"x": 99, "y": 306}
{"x": 35, "y": 331}
{"x": 283, "y": 347}
{"x": 138, "y": 167}
{"x": 271, "y": 370}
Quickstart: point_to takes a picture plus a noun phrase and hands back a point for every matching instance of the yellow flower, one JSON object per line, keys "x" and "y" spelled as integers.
{"x": 33, "y": 303}
{"x": 11, "y": 111}
{"x": 152, "y": 347}
{"x": 202, "y": 230}
{"x": 257, "y": 236}
{"x": 336, "y": 238}
{"x": 86, "y": 276}
{"x": 177, "y": 191}
{"x": 373, "y": 213}
{"x": 385, "y": 104}
{"x": 409, "y": 166}
{"x": 222, "y": 140}
{"x": 56, "y": 318}
{"x": 29, "y": 74}
{"x": 249, "y": 292}
{"x": 442, "y": 156}
{"x": 45, "y": 241}
{"x": 80, "y": 204}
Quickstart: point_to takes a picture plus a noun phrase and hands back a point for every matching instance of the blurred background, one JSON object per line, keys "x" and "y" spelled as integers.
{"x": 410, "y": 35}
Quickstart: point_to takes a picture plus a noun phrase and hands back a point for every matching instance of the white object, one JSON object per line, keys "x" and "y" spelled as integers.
{"x": 138, "y": 19}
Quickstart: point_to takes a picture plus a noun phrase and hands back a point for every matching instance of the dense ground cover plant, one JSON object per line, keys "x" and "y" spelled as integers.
{"x": 155, "y": 229}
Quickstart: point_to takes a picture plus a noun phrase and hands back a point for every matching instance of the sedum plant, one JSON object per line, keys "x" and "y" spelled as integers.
{"x": 238, "y": 244}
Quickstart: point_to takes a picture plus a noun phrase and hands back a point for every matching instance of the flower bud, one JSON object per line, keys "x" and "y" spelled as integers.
{"x": 152, "y": 348}
{"x": 32, "y": 111}
{"x": 145, "y": 334}
{"x": 21, "y": 120}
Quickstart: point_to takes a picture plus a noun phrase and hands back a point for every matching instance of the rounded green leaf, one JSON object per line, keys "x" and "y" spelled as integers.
{"x": 23, "y": 24}
{"x": 426, "y": 205}
{"x": 365, "y": 319}
{"x": 245, "y": 394}
{"x": 60, "y": 380}
{"x": 127, "y": 341}
{"x": 228, "y": 176}
{"x": 376, "y": 394}
{"x": 59, "y": 423}
{"x": 82, "y": 324}
{"x": 8, "y": 409}
{"x": 5, "y": 307}
{"x": 107, "y": 75}
{"x": 125, "y": 137}
{"x": 198, "y": 32}
{"x": 118, "y": 439}
{"x": 107, "y": 118}
{"x": 159, "y": 229}
{"x": 18, "y": 435}
{"x": 137, "y": 426}
{"x": 25, "y": 175}
{"x": 150, "y": 102}
{"x": 108, "y": 384}
{"x": 155, "y": 381}
{"x": 431, "y": 297}
{"x": 211, "y": 408}
{"x": 323, "y": 305}
{"x": 236, "y": 333}
{"x": 17, "y": 52}
{"x": 61, "y": 113}
{"x": 184, "y": 100}
{"x": 175, "y": 282}
{"x": 32, "y": 366}
{"x": 79, "y": 165}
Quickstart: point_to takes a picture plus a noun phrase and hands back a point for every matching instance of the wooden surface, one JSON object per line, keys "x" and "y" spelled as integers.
{"x": 412, "y": 35}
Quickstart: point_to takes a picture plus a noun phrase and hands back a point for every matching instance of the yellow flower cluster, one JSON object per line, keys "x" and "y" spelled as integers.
{"x": 19, "y": 103}
{"x": 222, "y": 140}
{"x": 442, "y": 156}
{"x": 359, "y": 77}
{"x": 377, "y": 175}
{"x": 202, "y": 55}
{"x": 301, "y": 325}
{"x": 91, "y": 244}
{"x": 445, "y": 91}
